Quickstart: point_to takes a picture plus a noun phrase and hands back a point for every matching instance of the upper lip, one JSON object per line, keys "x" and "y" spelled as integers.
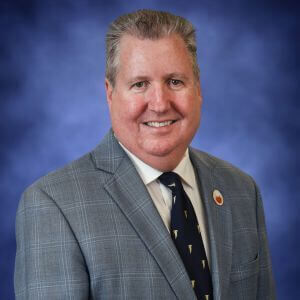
{"x": 160, "y": 121}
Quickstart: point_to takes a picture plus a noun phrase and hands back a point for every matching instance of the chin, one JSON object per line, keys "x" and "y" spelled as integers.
{"x": 158, "y": 148}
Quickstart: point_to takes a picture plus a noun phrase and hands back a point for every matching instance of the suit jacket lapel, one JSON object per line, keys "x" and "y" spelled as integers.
{"x": 218, "y": 219}
{"x": 128, "y": 191}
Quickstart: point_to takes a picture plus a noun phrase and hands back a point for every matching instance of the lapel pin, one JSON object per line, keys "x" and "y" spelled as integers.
{"x": 218, "y": 197}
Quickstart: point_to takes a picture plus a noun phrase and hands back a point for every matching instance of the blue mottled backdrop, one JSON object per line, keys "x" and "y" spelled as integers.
{"x": 53, "y": 107}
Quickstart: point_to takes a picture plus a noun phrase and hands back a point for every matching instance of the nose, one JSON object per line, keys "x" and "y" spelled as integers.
{"x": 158, "y": 98}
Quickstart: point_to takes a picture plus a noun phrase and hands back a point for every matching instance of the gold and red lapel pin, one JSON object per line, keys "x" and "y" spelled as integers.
{"x": 218, "y": 197}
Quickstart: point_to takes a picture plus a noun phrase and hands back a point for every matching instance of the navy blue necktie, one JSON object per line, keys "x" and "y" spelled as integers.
{"x": 185, "y": 232}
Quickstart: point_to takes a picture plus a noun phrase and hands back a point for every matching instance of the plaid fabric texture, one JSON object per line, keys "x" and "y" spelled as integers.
{"x": 91, "y": 231}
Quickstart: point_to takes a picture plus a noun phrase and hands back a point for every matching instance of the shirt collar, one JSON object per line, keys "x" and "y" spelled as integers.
{"x": 185, "y": 170}
{"x": 148, "y": 174}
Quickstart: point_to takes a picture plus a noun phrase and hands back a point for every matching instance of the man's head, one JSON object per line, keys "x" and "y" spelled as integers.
{"x": 147, "y": 24}
{"x": 152, "y": 84}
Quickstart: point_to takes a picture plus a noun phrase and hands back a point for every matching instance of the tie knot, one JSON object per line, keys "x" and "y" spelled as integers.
{"x": 169, "y": 179}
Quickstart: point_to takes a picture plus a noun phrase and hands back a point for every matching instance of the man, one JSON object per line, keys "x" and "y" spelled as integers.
{"x": 109, "y": 225}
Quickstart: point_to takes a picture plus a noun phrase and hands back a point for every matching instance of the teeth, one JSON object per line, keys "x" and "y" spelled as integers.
{"x": 159, "y": 124}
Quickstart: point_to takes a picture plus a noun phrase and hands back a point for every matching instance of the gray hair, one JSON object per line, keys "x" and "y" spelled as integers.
{"x": 147, "y": 24}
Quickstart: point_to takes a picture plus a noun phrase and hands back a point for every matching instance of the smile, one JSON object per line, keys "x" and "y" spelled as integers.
{"x": 159, "y": 124}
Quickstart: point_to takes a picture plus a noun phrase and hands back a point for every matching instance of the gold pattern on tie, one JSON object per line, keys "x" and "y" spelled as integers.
{"x": 193, "y": 283}
{"x": 175, "y": 232}
{"x": 206, "y": 297}
{"x": 185, "y": 213}
{"x": 186, "y": 235}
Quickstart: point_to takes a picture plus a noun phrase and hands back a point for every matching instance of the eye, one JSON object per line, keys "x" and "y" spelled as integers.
{"x": 139, "y": 85}
{"x": 175, "y": 82}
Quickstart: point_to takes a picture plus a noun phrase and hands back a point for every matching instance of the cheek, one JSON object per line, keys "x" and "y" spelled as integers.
{"x": 189, "y": 108}
{"x": 136, "y": 108}
{"x": 133, "y": 109}
{"x": 192, "y": 113}
{"x": 128, "y": 109}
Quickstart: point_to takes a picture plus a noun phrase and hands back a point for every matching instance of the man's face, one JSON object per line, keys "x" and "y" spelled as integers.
{"x": 156, "y": 102}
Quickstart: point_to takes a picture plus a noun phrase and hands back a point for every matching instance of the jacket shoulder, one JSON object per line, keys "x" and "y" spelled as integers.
{"x": 66, "y": 184}
{"x": 83, "y": 164}
{"x": 221, "y": 168}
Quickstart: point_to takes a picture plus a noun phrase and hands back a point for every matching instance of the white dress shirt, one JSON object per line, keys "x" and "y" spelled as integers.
{"x": 162, "y": 196}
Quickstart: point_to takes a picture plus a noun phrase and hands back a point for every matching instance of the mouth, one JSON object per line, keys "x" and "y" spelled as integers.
{"x": 159, "y": 124}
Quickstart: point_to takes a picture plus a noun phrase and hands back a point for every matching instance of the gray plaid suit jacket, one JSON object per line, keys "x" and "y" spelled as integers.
{"x": 91, "y": 231}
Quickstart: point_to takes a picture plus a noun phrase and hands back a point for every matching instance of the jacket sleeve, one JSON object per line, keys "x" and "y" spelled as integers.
{"x": 49, "y": 263}
{"x": 266, "y": 285}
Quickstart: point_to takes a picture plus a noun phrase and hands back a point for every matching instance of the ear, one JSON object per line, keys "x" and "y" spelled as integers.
{"x": 199, "y": 90}
{"x": 109, "y": 91}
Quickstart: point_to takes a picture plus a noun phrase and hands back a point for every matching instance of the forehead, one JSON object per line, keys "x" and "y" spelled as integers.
{"x": 168, "y": 53}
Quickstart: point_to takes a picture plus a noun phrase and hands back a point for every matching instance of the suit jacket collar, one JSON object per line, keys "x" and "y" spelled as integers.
{"x": 108, "y": 154}
{"x": 126, "y": 188}
{"x": 219, "y": 220}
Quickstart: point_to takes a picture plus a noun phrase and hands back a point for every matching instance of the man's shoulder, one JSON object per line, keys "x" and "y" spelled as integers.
{"x": 87, "y": 164}
{"x": 67, "y": 181}
{"x": 81, "y": 165}
{"x": 212, "y": 161}
{"x": 218, "y": 167}
{"x": 86, "y": 174}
